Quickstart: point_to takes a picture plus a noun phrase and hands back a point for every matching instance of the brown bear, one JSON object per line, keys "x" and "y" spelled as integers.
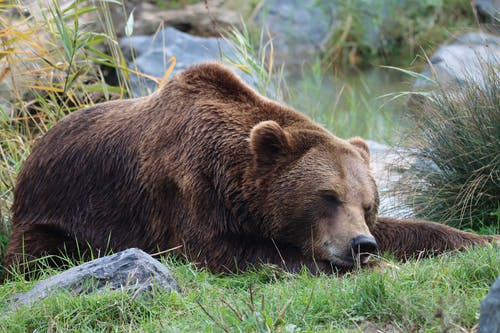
{"x": 207, "y": 166}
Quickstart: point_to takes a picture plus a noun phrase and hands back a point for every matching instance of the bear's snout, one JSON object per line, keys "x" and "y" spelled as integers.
{"x": 363, "y": 246}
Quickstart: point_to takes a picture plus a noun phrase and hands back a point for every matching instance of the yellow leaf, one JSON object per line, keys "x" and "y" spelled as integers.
{"x": 172, "y": 62}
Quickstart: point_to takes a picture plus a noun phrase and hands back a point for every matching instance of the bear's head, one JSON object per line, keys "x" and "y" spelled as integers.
{"x": 315, "y": 191}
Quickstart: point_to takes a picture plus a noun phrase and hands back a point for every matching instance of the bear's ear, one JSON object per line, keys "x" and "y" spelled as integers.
{"x": 269, "y": 143}
{"x": 362, "y": 148}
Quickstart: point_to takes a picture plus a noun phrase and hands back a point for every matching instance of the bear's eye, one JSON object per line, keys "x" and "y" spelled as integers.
{"x": 369, "y": 215}
{"x": 368, "y": 210}
{"x": 331, "y": 198}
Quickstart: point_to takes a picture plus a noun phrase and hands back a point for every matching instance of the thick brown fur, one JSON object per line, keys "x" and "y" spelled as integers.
{"x": 207, "y": 166}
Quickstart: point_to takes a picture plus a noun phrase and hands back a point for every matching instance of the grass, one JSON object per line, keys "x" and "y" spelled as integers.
{"x": 173, "y": 4}
{"x": 434, "y": 295}
{"x": 347, "y": 104}
{"x": 456, "y": 178}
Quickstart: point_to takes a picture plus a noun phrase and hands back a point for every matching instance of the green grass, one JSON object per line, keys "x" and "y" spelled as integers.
{"x": 173, "y": 4}
{"x": 347, "y": 104}
{"x": 456, "y": 140}
{"x": 432, "y": 295}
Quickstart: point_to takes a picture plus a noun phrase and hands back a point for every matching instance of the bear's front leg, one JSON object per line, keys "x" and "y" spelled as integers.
{"x": 410, "y": 238}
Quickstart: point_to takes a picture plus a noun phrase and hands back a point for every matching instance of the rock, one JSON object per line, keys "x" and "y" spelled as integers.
{"x": 132, "y": 270}
{"x": 488, "y": 10}
{"x": 302, "y": 28}
{"x": 388, "y": 166}
{"x": 151, "y": 54}
{"x": 465, "y": 61}
{"x": 489, "y": 318}
{"x": 6, "y": 98}
{"x": 298, "y": 27}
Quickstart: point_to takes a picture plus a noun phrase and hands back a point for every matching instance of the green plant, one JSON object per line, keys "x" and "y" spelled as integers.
{"x": 456, "y": 176}
{"x": 347, "y": 105}
{"x": 434, "y": 295}
{"x": 173, "y": 4}
{"x": 354, "y": 109}
{"x": 393, "y": 32}
{"x": 256, "y": 57}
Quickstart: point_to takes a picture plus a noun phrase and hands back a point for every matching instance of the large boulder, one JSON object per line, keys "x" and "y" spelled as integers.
{"x": 464, "y": 61}
{"x": 131, "y": 270}
{"x": 208, "y": 18}
{"x": 298, "y": 27}
{"x": 150, "y": 55}
{"x": 488, "y": 11}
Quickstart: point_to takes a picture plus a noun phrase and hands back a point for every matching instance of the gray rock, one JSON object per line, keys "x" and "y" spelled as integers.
{"x": 298, "y": 27}
{"x": 6, "y": 98}
{"x": 302, "y": 28}
{"x": 151, "y": 54}
{"x": 489, "y": 318}
{"x": 488, "y": 10}
{"x": 477, "y": 38}
{"x": 132, "y": 270}
{"x": 388, "y": 165}
{"x": 194, "y": 19}
{"x": 465, "y": 61}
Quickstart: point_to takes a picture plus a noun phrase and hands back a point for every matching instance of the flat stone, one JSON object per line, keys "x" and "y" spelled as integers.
{"x": 131, "y": 270}
{"x": 195, "y": 19}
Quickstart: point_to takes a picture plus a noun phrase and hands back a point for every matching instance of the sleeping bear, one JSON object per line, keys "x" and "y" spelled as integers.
{"x": 210, "y": 168}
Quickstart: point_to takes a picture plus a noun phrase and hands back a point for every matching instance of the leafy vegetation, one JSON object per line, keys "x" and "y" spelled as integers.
{"x": 436, "y": 295}
{"x": 173, "y": 4}
{"x": 394, "y": 32}
{"x": 347, "y": 104}
{"x": 456, "y": 178}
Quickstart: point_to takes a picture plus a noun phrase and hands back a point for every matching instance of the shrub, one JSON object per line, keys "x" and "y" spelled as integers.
{"x": 456, "y": 176}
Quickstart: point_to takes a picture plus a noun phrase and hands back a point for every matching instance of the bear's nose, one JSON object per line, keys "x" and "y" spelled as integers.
{"x": 363, "y": 246}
